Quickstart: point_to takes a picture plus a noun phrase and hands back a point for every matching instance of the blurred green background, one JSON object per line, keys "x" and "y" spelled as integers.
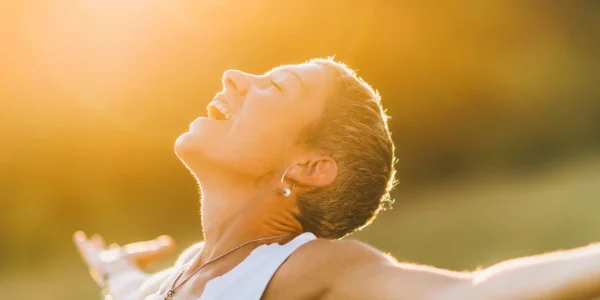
{"x": 495, "y": 111}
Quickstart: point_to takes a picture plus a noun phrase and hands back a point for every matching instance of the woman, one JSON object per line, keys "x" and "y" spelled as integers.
{"x": 288, "y": 162}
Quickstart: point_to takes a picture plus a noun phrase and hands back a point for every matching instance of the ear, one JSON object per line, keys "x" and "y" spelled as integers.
{"x": 313, "y": 171}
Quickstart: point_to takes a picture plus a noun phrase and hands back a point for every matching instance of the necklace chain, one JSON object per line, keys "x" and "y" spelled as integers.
{"x": 174, "y": 288}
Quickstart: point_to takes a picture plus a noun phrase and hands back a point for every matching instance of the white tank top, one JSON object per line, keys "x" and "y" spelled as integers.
{"x": 248, "y": 280}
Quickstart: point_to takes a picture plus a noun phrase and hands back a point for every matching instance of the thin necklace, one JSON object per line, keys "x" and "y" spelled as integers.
{"x": 174, "y": 288}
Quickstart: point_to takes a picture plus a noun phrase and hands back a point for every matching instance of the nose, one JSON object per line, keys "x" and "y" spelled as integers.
{"x": 236, "y": 81}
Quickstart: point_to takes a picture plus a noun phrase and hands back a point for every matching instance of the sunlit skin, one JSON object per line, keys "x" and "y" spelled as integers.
{"x": 239, "y": 165}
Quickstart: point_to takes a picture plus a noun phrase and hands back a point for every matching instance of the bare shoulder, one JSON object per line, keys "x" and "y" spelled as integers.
{"x": 314, "y": 267}
{"x": 345, "y": 251}
{"x": 330, "y": 256}
{"x": 350, "y": 269}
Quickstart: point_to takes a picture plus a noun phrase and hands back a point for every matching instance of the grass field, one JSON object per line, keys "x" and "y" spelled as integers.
{"x": 458, "y": 226}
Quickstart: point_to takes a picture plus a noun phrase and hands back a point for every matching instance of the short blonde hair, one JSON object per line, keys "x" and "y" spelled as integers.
{"x": 354, "y": 131}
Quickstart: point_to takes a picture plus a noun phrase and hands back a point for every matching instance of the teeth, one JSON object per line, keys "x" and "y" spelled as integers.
{"x": 222, "y": 107}
{"x": 224, "y": 110}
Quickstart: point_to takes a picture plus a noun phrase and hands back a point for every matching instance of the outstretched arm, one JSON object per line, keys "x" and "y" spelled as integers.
{"x": 572, "y": 274}
{"x": 119, "y": 268}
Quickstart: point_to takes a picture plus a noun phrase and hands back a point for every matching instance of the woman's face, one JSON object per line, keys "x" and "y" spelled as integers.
{"x": 252, "y": 125}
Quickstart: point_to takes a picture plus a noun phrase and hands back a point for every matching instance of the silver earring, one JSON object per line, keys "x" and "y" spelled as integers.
{"x": 285, "y": 190}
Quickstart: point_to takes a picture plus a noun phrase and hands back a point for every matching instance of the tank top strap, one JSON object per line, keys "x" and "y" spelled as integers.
{"x": 249, "y": 279}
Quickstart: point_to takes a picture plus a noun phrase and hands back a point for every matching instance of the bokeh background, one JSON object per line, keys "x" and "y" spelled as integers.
{"x": 495, "y": 111}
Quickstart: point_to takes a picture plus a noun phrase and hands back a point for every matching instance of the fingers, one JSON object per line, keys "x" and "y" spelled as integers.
{"x": 94, "y": 251}
{"x": 88, "y": 248}
{"x": 84, "y": 247}
{"x": 162, "y": 243}
{"x": 166, "y": 240}
{"x": 80, "y": 240}
{"x": 145, "y": 252}
{"x": 98, "y": 241}
{"x": 79, "y": 235}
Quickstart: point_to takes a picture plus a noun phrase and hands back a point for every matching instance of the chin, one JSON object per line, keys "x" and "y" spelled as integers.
{"x": 202, "y": 134}
{"x": 198, "y": 151}
{"x": 189, "y": 147}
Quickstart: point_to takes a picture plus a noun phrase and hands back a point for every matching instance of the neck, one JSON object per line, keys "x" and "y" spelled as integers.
{"x": 238, "y": 210}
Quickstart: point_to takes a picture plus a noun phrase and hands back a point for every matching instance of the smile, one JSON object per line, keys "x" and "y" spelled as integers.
{"x": 219, "y": 110}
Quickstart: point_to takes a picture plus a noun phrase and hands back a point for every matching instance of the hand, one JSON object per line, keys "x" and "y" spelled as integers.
{"x": 104, "y": 261}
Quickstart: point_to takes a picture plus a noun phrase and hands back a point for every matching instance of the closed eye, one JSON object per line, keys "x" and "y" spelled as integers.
{"x": 277, "y": 86}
